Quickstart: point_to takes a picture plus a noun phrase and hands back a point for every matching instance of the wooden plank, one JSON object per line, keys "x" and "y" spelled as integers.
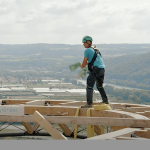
{"x": 76, "y": 103}
{"x": 36, "y": 102}
{"x": 129, "y": 138}
{"x": 105, "y": 121}
{"x": 144, "y": 134}
{"x": 12, "y": 102}
{"x": 66, "y": 129}
{"x": 28, "y": 127}
{"x": 35, "y": 126}
{"x": 116, "y": 105}
{"x": 76, "y": 125}
{"x": 133, "y": 105}
{"x": 23, "y": 101}
{"x": 114, "y": 134}
{"x": 48, "y": 127}
{"x": 147, "y": 114}
{"x": 115, "y": 128}
{"x": 126, "y": 105}
{"x": 71, "y": 110}
{"x": 57, "y": 102}
{"x": 73, "y": 103}
{"x": 125, "y": 122}
{"x": 11, "y": 110}
{"x": 141, "y": 113}
{"x": 90, "y": 128}
{"x": 97, "y": 130}
{"x": 128, "y": 110}
{"x": 140, "y": 109}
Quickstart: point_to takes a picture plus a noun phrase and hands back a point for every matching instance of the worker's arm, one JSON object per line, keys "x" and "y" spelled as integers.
{"x": 85, "y": 62}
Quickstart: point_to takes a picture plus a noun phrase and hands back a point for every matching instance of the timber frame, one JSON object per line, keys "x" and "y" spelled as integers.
{"x": 125, "y": 121}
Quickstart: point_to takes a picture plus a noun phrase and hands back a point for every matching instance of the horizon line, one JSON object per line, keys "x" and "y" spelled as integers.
{"x": 66, "y": 44}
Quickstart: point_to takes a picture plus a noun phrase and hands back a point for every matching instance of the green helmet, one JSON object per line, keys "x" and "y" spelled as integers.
{"x": 87, "y": 38}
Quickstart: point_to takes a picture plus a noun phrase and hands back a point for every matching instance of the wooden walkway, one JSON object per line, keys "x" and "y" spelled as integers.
{"x": 125, "y": 121}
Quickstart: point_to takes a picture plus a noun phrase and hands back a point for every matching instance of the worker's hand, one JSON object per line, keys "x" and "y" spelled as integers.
{"x": 81, "y": 66}
{"x": 83, "y": 72}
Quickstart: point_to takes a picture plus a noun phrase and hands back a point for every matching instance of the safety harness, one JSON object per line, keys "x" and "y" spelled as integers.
{"x": 90, "y": 65}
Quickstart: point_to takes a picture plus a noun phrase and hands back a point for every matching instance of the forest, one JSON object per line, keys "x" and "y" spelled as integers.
{"x": 129, "y": 96}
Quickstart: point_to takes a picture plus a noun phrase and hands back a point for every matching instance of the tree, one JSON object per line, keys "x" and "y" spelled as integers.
{"x": 145, "y": 97}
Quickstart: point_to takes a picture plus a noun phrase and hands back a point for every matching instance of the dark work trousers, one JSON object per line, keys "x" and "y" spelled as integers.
{"x": 96, "y": 75}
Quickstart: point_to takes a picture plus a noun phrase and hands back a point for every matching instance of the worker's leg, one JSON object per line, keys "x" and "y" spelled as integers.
{"x": 89, "y": 89}
{"x": 99, "y": 84}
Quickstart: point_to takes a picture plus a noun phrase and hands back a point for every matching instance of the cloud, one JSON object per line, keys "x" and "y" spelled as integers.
{"x": 37, "y": 21}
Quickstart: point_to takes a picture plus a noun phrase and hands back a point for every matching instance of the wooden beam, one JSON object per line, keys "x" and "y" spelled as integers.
{"x": 35, "y": 126}
{"x": 105, "y": 121}
{"x": 147, "y": 114}
{"x": 128, "y": 110}
{"x": 114, "y": 134}
{"x": 71, "y": 110}
{"x": 126, "y": 105}
{"x": 0, "y": 102}
{"x": 48, "y": 127}
{"x": 97, "y": 130}
{"x": 76, "y": 103}
{"x": 24, "y": 118}
{"x": 14, "y": 101}
{"x": 66, "y": 129}
{"x": 140, "y": 109}
{"x": 124, "y": 122}
{"x": 16, "y": 110}
{"x": 73, "y": 103}
{"x": 144, "y": 134}
{"x": 115, "y": 128}
{"x": 57, "y": 102}
{"x": 129, "y": 138}
{"x": 36, "y": 102}
{"x": 28, "y": 127}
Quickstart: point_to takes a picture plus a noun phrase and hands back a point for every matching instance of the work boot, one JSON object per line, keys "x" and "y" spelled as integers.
{"x": 104, "y": 102}
{"x": 86, "y": 106}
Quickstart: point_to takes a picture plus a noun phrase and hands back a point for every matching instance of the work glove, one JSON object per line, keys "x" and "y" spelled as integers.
{"x": 74, "y": 66}
{"x": 83, "y": 72}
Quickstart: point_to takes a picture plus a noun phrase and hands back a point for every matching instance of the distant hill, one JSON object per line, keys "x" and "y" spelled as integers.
{"x": 129, "y": 70}
{"x": 126, "y": 64}
{"x": 59, "y": 50}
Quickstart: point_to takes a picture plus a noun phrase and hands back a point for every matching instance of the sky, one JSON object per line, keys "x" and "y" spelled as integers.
{"x": 68, "y": 21}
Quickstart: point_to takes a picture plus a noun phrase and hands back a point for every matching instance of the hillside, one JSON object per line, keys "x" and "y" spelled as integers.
{"x": 126, "y": 64}
{"x": 59, "y": 50}
{"x": 132, "y": 70}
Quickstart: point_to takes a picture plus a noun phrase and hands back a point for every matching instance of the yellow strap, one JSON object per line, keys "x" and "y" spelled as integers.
{"x": 102, "y": 106}
{"x": 76, "y": 126}
{"x": 102, "y": 129}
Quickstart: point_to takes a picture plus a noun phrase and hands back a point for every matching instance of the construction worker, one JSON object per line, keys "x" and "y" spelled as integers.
{"x": 95, "y": 74}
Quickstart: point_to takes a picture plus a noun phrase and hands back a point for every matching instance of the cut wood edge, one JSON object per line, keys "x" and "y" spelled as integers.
{"x": 48, "y": 127}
